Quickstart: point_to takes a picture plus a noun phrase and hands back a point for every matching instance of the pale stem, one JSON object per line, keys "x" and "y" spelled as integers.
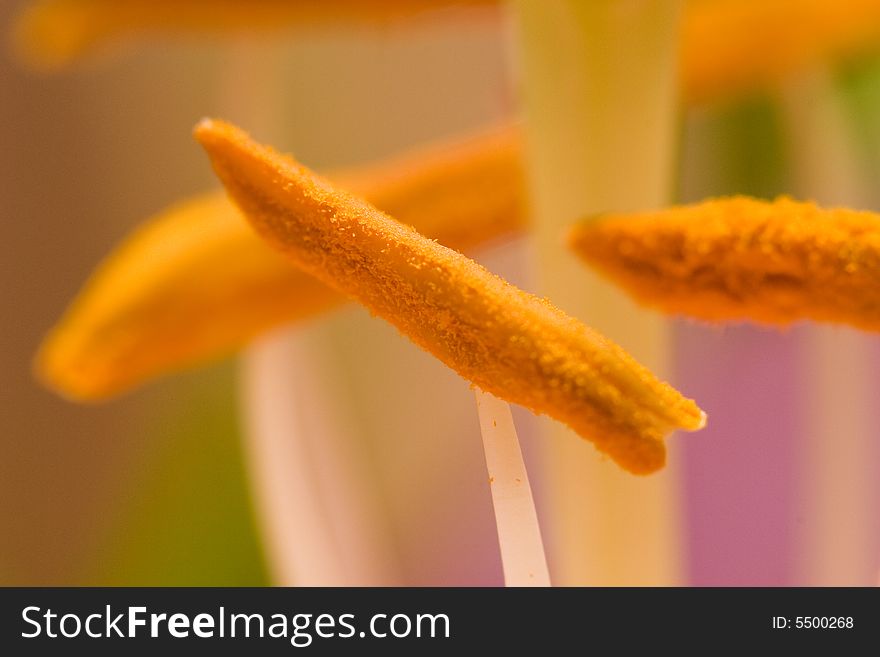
{"x": 838, "y": 461}
{"x": 519, "y": 536}
{"x": 318, "y": 519}
{"x": 600, "y": 98}
{"x": 315, "y": 504}
{"x": 297, "y": 536}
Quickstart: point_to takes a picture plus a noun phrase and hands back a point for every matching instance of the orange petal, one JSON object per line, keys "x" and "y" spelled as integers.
{"x": 730, "y": 47}
{"x": 516, "y": 346}
{"x": 195, "y": 282}
{"x": 743, "y": 259}
{"x": 52, "y": 33}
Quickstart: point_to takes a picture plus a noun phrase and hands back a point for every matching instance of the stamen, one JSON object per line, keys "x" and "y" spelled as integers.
{"x": 509, "y": 343}
{"x": 195, "y": 283}
{"x": 519, "y": 536}
{"x": 741, "y": 259}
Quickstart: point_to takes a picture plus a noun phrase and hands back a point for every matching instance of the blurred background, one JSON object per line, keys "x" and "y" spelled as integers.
{"x": 153, "y": 488}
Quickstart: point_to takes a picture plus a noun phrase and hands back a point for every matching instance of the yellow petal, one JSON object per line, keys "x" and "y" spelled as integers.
{"x": 514, "y": 345}
{"x": 52, "y": 33}
{"x": 195, "y": 282}
{"x": 731, "y": 47}
{"x": 743, "y": 259}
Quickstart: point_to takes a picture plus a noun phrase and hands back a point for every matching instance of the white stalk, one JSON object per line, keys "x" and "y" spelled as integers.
{"x": 315, "y": 503}
{"x": 600, "y": 96}
{"x": 519, "y": 536}
{"x": 318, "y": 520}
{"x": 838, "y": 463}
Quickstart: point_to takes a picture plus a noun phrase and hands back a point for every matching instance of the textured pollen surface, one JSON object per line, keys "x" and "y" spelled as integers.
{"x": 195, "y": 282}
{"x": 509, "y": 343}
{"x": 743, "y": 259}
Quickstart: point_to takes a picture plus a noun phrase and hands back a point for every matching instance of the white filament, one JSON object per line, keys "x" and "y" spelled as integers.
{"x": 519, "y": 535}
{"x": 318, "y": 518}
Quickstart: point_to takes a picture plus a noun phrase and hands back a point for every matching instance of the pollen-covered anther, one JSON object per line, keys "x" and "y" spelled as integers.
{"x": 195, "y": 282}
{"x": 741, "y": 259}
{"x": 452, "y": 307}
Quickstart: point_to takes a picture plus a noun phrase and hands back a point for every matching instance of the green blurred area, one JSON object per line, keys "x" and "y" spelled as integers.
{"x": 742, "y": 147}
{"x": 736, "y": 148}
{"x": 187, "y": 519}
{"x": 859, "y": 82}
